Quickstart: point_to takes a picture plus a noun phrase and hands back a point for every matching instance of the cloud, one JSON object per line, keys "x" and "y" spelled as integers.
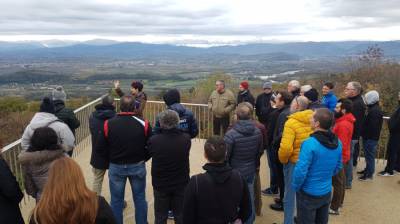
{"x": 210, "y": 20}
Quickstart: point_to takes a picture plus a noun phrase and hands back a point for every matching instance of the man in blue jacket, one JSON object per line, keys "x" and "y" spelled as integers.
{"x": 329, "y": 99}
{"x": 187, "y": 122}
{"x": 320, "y": 159}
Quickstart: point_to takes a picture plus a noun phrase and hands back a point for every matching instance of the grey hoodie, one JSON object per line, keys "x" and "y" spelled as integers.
{"x": 35, "y": 168}
{"x": 42, "y": 119}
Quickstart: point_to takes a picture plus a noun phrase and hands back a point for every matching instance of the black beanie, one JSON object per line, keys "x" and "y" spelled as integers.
{"x": 171, "y": 97}
{"x": 47, "y": 106}
{"x": 312, "y": 95}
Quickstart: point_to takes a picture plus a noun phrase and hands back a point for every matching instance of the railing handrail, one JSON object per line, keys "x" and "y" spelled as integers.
{"x": 162, "y": 102}
{"x": 11, "y": 145}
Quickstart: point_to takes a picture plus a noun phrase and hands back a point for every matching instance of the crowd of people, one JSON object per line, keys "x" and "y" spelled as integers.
{"x": 311, "y": 144}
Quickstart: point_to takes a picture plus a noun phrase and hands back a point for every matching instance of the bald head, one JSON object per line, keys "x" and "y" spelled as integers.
{"x": 299, "y": 103}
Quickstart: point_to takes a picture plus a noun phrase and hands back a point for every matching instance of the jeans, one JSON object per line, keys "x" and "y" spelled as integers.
{"x": 136, "y": 173}
{"x": 250, "y": 184}
{"x": 219, "y": 123}
{"x": 338, "y": 182}
{"x": 349, "y": 167}
{"x": 289, "y": 200}
{"x": 273, "y": 179}
{"x": 166, "y": 200}
{"x": 370, "y": 151}
{"x": 312, "y": 209}
{"x": 98, "y": 177}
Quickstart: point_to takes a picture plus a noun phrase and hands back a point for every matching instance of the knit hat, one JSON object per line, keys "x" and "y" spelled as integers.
{"x": 312, "y": 95}
{"x": 59, "y": 94}
{"x": 267, "y": 85}
{"x": 47, "y": 106}
{"x": 245, "y": 84}
{"x": 172, "y": 96}
{"x": 371, "y": 97}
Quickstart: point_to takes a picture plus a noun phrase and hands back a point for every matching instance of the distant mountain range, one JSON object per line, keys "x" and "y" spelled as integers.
{"x": 111, "y": 49}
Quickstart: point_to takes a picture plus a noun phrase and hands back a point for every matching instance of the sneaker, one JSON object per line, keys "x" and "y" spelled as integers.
{"x": 362, "y": 172}
{"x": 365, "y": 178}
{"x": 170, "y": 215}
{"x": 385, "y": 174}
{"x": 277, "y": 207}
{"x": 333, "y": 212}
{"x": 269, "y": 192}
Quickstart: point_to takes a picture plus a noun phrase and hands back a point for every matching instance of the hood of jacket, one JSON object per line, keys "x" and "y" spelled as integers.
{"x": 42, "y": 119}
{"x": 326, "y": 138}
{"x": 177, "y": 107}
{"x": 40, "y": 157}
{"x": 58, "y": 105}
{"x": 104, "y": 112}
{"x": 219, "y": 172}
{"x": 302, "y": 116}
{"x": 347, "y": 117}
{"x": 245, "y": 127}
{"x": 172, "y": 97}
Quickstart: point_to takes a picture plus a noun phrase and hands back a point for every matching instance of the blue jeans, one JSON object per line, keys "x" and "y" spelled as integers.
{"x": 272, "y": 170}
{"x": 370, "y": 151}
{"x": 250, "y": 184}
{"x": 136, "y": 173}
{"x": 349, "y": 168}
{"x": 289, "y": 200}
{"x": 312, "y": 209}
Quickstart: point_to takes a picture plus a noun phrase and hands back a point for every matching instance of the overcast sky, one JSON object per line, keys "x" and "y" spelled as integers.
{"x": 200, "y": 21}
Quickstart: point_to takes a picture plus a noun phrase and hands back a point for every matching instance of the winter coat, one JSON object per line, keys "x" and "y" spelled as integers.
{"x": 221, "y": 104}
{"x": 263, "y": 107}
{"x": 244, "y": 147}
{"x": 140, "y": 98}
{"x": 218, "y": 196}
{"x": 359, "y": 113}
{"x": 10, "y": 196}
{"x": 169, "y": 151}
{"x": 320, "y": 159}
{"x": 35, "y": 168}
{"x": 42, "y": 119}
{"x": 394, "y": 122}
{"x": 187, "y": 122}
{"x": 373, "y": 123}
{"x": 96, "y": 126}
{"x": 245, "y": 96}
{"x": 343, "y": 128}
{"x": 330, "y": 100}
{"x": 272, "y": 121}
{"x": 297, "y": 128}
{"x": 125, "y": 139}
{"x": 67, "y": 115}
{"x": 279, "y": 126}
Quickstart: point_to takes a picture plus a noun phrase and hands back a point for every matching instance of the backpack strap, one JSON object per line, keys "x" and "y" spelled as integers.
{"x": 145, "y": 124}
{"x": 106, "y": 129}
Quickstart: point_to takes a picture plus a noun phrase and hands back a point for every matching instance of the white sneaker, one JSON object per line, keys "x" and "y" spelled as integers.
{"x": 333, "y": 212}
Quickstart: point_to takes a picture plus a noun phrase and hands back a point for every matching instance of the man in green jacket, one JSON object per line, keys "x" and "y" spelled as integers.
{"x": 221, "y": 102}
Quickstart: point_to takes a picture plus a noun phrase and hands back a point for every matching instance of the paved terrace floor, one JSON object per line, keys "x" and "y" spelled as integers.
{"x": 377, "y": 201}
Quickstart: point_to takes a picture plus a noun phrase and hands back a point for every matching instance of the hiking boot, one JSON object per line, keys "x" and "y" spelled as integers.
{"x": 385, "y": 174}
{"x": 269, "y": 192}
{"x": 362, "y": 172}
{"x": 333, "y": 212}
{"x": 365, "y": 178}
{"x": 277, "y": 207}
{"x": 278, "y": 200}
{"x": 170, "y": 215}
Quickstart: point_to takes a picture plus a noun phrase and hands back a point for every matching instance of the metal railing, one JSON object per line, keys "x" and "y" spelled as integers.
{"x": 152, "y": 109}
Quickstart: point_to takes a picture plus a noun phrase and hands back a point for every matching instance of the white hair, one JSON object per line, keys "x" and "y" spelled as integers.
{"x": 295, "y": 83}
{"x": 305, "y": 88}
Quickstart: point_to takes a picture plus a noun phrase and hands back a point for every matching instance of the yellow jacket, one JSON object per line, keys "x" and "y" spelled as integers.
{"x": 297, "y": 129}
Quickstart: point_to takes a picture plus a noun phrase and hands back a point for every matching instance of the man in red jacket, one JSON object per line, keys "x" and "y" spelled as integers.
{"x": 344, "y": 130}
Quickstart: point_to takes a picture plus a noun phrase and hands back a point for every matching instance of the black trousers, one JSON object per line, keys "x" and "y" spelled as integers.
{"x": 165, "y": 201}
{"x": 312, "y": 209}
{"x": 393, "y": 153}
{"x": 356, "y": 153}
{"x": 220, "y": 123}
{"x": 280, "y": 181}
